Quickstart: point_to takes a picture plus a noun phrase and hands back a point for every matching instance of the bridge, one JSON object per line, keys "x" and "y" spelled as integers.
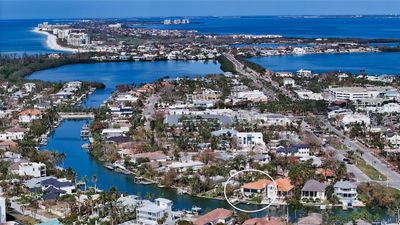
{"x": 76, "y": 115}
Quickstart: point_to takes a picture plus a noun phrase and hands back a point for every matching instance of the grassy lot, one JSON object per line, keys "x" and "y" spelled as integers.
{"x": 369, "y": 170}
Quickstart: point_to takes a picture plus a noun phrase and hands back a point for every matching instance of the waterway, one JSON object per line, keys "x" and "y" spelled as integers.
{"x": 372, "y": 63}
{"x": 114, "y": 73}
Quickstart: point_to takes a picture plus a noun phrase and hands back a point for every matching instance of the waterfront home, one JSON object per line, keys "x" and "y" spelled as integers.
{"x": 15, "y": 134}
{"x": 129, "y": 202}
{"x": 28, "y": 115}
{"x": 216, "y": 216}
{"x": 150, "y": 213}
{"x": 157, "y": 156}
{"x": 124, "y": 111}
{"x": 60, "y": 184}
{"x": 283, "y": 189}
{"x": 299, "y": 150}
{"x": 114, "y": 132}
{"x": 256, "y": 187}
{"x": 346, "y": 192}
{"x": 267, "y": 220}
{"x": 176, "y": 120}
{"x": 313, "y": 190}
{"x": 25, "y": 168}
{"x": 183, "y": 166}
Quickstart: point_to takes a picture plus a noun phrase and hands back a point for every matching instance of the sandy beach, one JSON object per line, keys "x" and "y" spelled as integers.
{"x": 51, "y": 42}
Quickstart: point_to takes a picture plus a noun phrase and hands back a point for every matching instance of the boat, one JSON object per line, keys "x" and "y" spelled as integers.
{"x": 86, "y": 146}
{"x": 196, "y": 210}
{"x": 109, "y": 166}
{"x": 85, "y": 131}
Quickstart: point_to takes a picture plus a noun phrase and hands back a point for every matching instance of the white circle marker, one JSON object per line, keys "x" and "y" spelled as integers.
{"x": 250, "y": 211}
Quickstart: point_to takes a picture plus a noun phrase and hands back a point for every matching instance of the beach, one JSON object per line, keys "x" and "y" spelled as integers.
{"x": 51, "y": 42}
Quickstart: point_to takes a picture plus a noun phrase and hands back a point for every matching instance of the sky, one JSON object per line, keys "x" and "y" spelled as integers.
{"x": 43, "y": 9}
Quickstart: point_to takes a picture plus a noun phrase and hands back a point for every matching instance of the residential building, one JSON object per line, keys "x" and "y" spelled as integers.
{"x": 216, "y": 216}
{"x": 25, "y": 168}
{"x": 250, "y": 139}
{"x": 299, "y": 150}
{"x": 2, "y": 209}
{"x": 393, "y": 139}
{"x": 27, "y": 116}
{"x": 313, "y": 190}
{"x": 78, "y": 39}
{"x": 283, "y": 188}
{"x": 311, "y": 219}
{"x": 289, "y": 82}
{"x": 149, "y": 213}
{"x": 267, "y": 220}
{"x": 205, "y": 94}
{"x": 29, "y": 87}
{"x": 346, "y": 192}
{"x": 183, "y": 166}
{"x": 16, "y": 133}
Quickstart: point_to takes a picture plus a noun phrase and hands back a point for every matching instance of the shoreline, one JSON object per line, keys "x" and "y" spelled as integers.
{"x": 51, "y": 42}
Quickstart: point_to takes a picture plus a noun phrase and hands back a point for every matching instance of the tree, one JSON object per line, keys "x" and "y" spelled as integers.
{"x": 94, "y": 180}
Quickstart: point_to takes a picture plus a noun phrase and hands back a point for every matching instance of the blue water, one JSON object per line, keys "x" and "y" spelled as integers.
{"x": 16, "y": 37}
{"x": 365, "y": 27}
{"x": 372, "y": 63}
{"x": 112, "y": 74}
{"x": 66, "y": 139}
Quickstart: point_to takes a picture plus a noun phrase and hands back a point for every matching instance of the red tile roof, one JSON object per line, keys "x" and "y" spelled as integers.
{"x": 213, "y": 216}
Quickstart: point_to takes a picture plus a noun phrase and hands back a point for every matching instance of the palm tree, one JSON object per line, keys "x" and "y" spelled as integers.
{"x": 84, "y": 180}
{"x": 94, "y": 180}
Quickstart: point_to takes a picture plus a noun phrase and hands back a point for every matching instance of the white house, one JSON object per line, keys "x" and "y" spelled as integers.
{"x": 2, "y": 210}
{"x": 303, "y": 73}
{"x": 270, "y": 119}
{"x": 299, "y": 150}
{"x": 307, "y": 94}
{"x": 183, "y": 166}
{"x": 350, "y": 119}
{"x": 149, "y": 213}
{"x": 255, "y": 96}
{"x": 288, "y": 82}
{"x": 114, "y": 132}
{"x": 346, "y": 192}
{"x": 393, "y": 139}
{"x": 250, "y": 139}
{"x": 313, "y": 190}
{"x": 16, "y": 133}
{"x": 32, "y": 169}
{"x": 29, "y": 87}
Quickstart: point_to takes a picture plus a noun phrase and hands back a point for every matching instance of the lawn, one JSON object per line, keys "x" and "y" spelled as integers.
{"x": 369, "y": 170}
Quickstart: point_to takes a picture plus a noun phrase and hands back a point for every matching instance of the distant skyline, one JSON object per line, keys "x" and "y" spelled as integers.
{"x": 42, "y": 9}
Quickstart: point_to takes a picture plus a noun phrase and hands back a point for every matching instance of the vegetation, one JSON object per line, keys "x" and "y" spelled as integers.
{"x": 226, "y": 64}
{"x": 251, "y": 65}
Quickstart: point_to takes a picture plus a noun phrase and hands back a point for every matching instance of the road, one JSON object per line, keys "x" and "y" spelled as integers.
{"x": 393, "y": 178}
{"x": 257, "y": 77}
{"x": 149, "y": 110}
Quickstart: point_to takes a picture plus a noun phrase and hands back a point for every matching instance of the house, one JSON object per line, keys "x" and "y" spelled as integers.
{"x": 313, "y": 190}
{"x": 299, "y": 150}
{"x": 326, "y": 173}
{"x": 8, "y": 145}
{"x": 2, "y": 209}
{"x": 289, "y": 82}
{"x": 257, "y": 187}
{"x": 25, "y": 168}
{"x": 15, "y": 133}
{"x": 350, "y": 119}
{"x": 61, "y": 184}
{"x": 150, "y": 213}
{"x": 271, "y": 119}
{"x": 183, "y": 166}
{"x": 216, "y": 216}
{"x": 28, "y": 115}
{"x": 157, "y": 156}
{"x": 311, "y": 219}
{"x": 250, "y": 139}
{"x": 267, "y": 220}
{"x": 346, "y": 192}
{"x": 283, "y": 188}
{"x": 29, "y": 87}
{"x": 393, "y": 139}
{"x": 129, "y": 202}
{"x": 114, "y": 132}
